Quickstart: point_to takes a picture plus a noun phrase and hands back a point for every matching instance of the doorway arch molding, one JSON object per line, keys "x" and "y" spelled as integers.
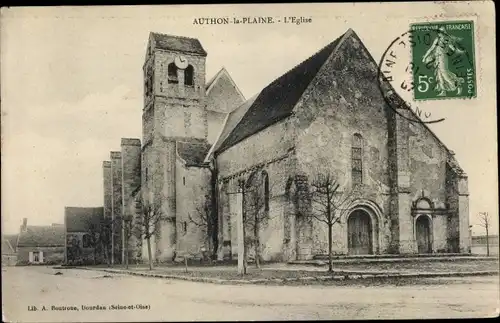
{"x": 375, "y": 213}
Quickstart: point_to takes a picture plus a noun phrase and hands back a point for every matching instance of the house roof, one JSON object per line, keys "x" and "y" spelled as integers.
{"x": 78, "y": 219}
{"x": 277, "y": 100}
{"x": 178, "y": 44}
{"x": 193, "y": 151}
{"x": 9, "y": 243}
{"x": 42, "y": 236}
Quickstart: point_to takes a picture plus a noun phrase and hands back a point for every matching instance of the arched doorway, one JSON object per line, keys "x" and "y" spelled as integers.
{"x": 423, "y": 233}
{"x": 359, "y": 230}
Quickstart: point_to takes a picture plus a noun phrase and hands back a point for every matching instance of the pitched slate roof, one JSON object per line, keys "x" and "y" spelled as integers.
{"x": 42, "y": 236}
{"x": 78, "y": 219}
{"x": 276, "y": 101}
{"x": 178, "y": 43}
{"x": 193, "y": 151}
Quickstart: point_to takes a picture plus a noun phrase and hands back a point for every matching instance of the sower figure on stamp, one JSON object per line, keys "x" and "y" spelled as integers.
{"x": 438, "y": 56}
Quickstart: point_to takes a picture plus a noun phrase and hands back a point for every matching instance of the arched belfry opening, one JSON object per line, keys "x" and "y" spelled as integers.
{"x": 172, "y": 73}
{"x": 189, "y": 76}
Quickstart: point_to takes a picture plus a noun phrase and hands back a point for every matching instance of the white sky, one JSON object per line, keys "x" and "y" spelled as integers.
{"x": 71, "y": 87}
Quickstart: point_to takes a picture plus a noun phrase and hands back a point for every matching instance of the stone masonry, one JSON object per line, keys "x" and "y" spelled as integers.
{"x": 131, "y": 182}
{"x": 404, "y": 191}
{"x": 116, "y": 205}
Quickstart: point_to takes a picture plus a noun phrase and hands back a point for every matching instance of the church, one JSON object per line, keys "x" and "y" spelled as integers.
{"x": 208, "y": 155}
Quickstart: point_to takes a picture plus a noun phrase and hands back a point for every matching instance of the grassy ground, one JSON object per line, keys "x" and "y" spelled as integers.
{"x": 282, "y": 277}
{"x": 283, "y": 271}
{"x": 424, "y": 266}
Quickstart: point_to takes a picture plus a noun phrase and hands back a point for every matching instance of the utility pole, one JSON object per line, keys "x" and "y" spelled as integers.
{"x": 127, "y": 220}
{"x": 241, "y": 229}
{"x": 240, "y": 226}
{"x": 112, "y": 240}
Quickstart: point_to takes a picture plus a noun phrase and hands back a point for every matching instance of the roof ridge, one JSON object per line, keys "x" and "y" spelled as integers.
{"x": 174, "y": 36}
{"x": 311, "y": 56}
{"x": 338, "y": 39}
{"x": 281, "y": 95}
{"x": 177, "y": 43}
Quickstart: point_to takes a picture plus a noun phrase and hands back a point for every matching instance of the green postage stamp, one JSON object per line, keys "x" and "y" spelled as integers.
{"x": 443, "y": 60}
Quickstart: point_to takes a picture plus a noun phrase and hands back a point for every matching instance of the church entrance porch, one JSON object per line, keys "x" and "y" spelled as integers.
{"x": 423, "y": 234}
{"x": 359, "y": 230}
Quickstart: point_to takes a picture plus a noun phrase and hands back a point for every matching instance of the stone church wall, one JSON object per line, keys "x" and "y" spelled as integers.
{"x": 427, "y": 164}
{"x": 270, "y": 143}
{"x": 131, "y": 181}
{"x": 344, "y": 100}
{"x": 192, "y": 189}
{"x": 270, "y": 150}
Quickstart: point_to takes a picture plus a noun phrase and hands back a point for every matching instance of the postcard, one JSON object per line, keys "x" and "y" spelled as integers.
{"x": 249, "y": 162}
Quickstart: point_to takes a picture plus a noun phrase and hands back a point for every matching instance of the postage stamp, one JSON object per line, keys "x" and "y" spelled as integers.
{"x": 443, "y": 60}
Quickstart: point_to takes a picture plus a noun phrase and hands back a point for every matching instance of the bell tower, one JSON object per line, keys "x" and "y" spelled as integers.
{"x": 174, "y": 82}
{"x": 174, "y": 110}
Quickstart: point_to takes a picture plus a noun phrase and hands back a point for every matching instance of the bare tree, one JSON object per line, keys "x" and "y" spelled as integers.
{"x": 148, "y": 223}
{"x": 484, "y": 221}
{"x": 328, "y": 203}
{"x": 256, "y": 213}
{"x": 205, "y": 218}
{"x": 105, "y": 238}
{"x": 127, "y": 234}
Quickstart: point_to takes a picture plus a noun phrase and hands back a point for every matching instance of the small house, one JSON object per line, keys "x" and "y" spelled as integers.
{"x": 84, "y": 239}
{"x": 40, "y": 244}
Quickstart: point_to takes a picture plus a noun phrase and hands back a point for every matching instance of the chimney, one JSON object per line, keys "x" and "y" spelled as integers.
{"x": 24, "y": 227}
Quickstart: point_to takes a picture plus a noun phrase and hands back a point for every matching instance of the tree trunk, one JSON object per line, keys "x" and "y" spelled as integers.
{"x": 245, "y": 257}
{"x": 487, "y": 242}
{"x": 95, "y": 252}
{"x": 104, "y": 252}
{"x": 149, "y": 254}
{"x": 257, "y": 244}
{"x": 330, "y": 241}
{"x": 126, "y": 247}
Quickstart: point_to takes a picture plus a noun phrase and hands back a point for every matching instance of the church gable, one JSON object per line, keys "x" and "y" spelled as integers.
{"x": 223, "y": 97}
{"x": 341, "y": 111}
{"x": 222, "y": 93}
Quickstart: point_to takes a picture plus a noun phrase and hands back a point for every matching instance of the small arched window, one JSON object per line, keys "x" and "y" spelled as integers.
{"x": 172, "y": 73}
{"x": 265, "y": 180}
{"x": 189, "y": 76}
{"x": 357, "y": 159}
